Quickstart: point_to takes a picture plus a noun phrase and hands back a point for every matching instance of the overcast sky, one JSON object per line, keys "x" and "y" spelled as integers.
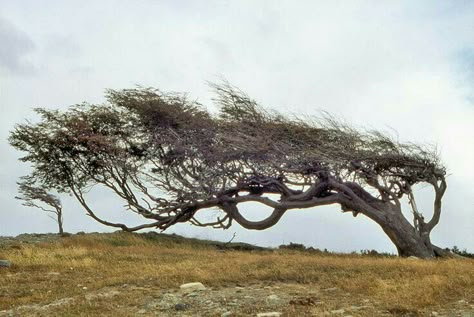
{"x": 392, "y": 65}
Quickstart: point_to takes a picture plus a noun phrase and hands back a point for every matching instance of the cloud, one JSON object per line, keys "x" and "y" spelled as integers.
{"x": 15, "y": 49}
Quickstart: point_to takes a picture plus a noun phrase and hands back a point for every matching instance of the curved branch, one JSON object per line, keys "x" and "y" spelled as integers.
{"x": 80, "y": 198}
{"x": 232, "y": 210}
{"x": 287, "y": 204}
{"x": 439, "y": 192}
{"x": 357, "y": 199}
{"x": 279, "y": 208}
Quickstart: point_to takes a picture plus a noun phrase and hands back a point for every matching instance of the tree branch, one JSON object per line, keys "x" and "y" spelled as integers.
{"x": 439, "y": 192}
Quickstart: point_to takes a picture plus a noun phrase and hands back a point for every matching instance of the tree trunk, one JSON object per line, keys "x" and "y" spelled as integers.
{"x": 60, "y": 223}
{"x": 408, "y": 241}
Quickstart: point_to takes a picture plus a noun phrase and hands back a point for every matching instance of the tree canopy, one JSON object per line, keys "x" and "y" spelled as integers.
{"x": 168, "y": 158}
{"x": 37, "y": 196}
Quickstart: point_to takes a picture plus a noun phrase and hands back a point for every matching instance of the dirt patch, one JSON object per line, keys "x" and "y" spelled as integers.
{"x": 281, "y": 299}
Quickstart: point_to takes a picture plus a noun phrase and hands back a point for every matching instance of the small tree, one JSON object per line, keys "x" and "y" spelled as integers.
{"x": 168, "y": 159}
{"x": 37, "y": 196}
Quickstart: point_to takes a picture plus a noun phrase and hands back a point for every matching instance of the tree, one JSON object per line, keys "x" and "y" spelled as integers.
{"x": 38, "y": 197}
{"x": 168, "y": 159}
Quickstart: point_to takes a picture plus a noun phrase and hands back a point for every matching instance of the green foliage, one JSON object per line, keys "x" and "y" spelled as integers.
{"x": 463, "y": 252}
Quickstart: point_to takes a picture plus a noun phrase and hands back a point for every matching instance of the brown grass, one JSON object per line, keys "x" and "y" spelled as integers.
{"x": 105, "y": 261}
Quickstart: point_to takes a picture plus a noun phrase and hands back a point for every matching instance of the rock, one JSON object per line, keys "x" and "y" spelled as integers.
{"x": 192, "y": 287}
{"x": 108, "y": 294}
{"x": 169, "y": 296}
{"x": 273, "y": 300}
{"x": 338, "y": 311}
{"x": 269, "y": 314}
{"x": 5, "y": 263}
{"x": 180, "y": 307}
{"x": 59, "y": 302}
{"x": 331, "y": 289}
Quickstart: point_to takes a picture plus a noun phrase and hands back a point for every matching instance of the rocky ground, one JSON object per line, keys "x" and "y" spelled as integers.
{"x": 277, "y": 299}
{"x": 264, "y": 299}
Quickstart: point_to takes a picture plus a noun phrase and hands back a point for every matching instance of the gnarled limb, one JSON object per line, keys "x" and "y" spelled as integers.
{"x": 232, "y": 210}
{"x": 440, "y": 189}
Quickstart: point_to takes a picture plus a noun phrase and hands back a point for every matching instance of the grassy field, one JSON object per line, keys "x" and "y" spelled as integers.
{"x": 69, "y": 277}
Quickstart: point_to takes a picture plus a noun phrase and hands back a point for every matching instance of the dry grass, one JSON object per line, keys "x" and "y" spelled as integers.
{"x": 104, "y": 261}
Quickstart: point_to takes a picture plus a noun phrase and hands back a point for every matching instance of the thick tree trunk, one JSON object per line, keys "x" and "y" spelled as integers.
{"x": 408, "y": 241}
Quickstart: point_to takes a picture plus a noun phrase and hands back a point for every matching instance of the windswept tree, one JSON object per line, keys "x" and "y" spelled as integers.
{"x": 168, "y": 159}
{"x": 37, "y": 196}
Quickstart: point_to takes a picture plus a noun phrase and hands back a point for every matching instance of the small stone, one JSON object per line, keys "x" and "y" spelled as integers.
{"x": 273, "y": 300}
{"x": 331, "y": 289}
{"x": 109, "y": 294}
{"x": 192, "y": 287}
{"x": 269, "y": 314}
{"x": 338, "y": 311}
{"x": 84, "y": 288}
{"x": 5, "y": 263}
{"x": 180, "y": 307}
{"x": 169, "y": 296}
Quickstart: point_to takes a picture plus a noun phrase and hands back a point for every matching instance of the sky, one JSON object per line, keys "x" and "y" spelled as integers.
{"x": 405, "y": 67}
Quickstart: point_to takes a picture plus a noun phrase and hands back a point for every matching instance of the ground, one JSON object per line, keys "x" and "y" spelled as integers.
{"x": 124, "y": 274}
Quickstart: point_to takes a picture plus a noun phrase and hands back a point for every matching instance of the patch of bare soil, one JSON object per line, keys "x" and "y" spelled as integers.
{"x": 265, "y": 300}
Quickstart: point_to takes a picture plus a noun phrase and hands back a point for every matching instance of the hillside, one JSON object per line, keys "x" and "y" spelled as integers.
{"x": 124, "y": 274}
